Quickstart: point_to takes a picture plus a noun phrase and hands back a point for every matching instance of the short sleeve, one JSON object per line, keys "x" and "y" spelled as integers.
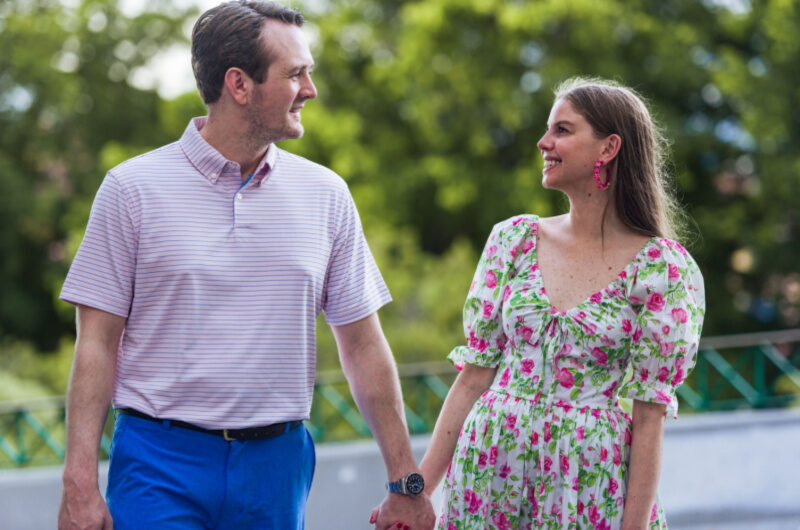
{"x": 354, "y": 287}
{"x": 669, "y": 294}
{"x": 483, "y": 310}
{"x": 103, "y": 272}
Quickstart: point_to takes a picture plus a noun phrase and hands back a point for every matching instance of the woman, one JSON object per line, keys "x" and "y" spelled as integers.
{"x": 559, "y": 310}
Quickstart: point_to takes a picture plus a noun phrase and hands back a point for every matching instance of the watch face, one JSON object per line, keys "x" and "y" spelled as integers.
{"x": 415, "y": 483}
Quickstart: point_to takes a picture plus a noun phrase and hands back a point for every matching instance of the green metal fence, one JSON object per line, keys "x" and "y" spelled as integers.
{"x": 758, "y": 370}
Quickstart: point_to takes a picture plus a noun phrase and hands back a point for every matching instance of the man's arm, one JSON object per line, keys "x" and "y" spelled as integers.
{"x": 369, "y": 366}
{"x": 91, "y": 384}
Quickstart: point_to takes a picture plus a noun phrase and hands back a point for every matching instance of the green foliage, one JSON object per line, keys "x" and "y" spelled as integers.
{"x": 431, "y": 111}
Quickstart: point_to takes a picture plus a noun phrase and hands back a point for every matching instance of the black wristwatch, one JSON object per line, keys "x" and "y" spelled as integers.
{"x": 412, "y": 484}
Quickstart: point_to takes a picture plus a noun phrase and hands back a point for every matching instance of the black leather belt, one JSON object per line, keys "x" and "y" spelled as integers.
{"x": 231, "y": 435}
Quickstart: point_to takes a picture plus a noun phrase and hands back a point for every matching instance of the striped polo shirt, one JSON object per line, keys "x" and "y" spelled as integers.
{"x": 221, "y": 282}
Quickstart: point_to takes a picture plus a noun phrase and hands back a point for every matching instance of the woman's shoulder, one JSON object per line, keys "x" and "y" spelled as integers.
{"x": 662, "y": 251}
{"x": 516, "y": 227}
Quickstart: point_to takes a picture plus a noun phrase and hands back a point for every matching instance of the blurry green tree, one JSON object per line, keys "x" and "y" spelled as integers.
{"x": 431, "y": 110}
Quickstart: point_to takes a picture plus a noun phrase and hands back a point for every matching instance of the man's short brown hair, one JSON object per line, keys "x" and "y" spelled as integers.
{"x": 229, "y": 35}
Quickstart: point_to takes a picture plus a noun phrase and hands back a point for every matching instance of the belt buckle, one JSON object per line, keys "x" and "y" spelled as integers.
{"x": 226, "y": 437}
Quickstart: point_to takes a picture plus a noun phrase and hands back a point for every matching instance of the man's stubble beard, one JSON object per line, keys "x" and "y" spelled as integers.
{"x": 259, "y": 132}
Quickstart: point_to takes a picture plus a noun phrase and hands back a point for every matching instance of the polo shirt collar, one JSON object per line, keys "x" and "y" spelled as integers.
{"x": 210, "y": 162}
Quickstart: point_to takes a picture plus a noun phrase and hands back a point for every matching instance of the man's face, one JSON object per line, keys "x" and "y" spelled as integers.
{"x": 274, "y": 110}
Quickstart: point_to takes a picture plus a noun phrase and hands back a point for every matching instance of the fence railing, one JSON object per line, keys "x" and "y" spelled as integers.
{"x": 757, "y": 370}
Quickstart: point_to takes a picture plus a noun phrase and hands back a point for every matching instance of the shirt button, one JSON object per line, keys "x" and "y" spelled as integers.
{"x": 238, "y": 196}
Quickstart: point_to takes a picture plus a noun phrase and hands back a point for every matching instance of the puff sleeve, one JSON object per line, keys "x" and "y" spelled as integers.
{"x": 483, "y": 310}
{"x": 668, "y": 293}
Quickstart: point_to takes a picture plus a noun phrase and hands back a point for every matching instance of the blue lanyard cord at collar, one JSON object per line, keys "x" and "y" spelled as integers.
{"x": 246, "y": 182}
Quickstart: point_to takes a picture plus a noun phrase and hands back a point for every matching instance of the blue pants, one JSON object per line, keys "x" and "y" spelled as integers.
{"x": 167, "y": 477}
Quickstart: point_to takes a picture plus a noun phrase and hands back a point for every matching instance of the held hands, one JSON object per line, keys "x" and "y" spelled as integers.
{"x": 403, "y": 512}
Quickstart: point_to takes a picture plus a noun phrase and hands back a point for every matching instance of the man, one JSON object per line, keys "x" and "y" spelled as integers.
{"x": 197, "y": 286}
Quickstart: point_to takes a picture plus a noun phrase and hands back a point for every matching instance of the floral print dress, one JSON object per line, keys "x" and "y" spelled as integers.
{"x": 547, "y": 446}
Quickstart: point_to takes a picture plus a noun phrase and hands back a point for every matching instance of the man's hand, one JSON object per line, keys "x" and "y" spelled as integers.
{"x": 83, "y": 509}
{"x": 403, "y": 512}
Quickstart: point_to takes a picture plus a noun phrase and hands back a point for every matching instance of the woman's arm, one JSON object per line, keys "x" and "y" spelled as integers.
{"x": 467, "y": 388}
{"x": 645, "y": 463}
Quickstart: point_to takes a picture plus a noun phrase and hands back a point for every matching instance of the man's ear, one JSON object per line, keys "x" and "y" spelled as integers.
{"x": 238, "y": 84}
{"x": 612, "y": 145}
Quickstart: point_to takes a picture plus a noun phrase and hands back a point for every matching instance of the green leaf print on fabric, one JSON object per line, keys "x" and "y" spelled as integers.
{"x": 547, "y": 446}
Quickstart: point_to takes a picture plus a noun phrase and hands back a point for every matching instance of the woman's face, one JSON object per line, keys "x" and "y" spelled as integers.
{"x": 569, "y": 149}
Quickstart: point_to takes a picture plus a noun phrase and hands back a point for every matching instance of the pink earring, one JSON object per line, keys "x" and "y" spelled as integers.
{"x": 601, "y": 185}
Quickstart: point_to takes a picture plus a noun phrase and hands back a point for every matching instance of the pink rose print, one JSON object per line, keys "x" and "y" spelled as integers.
{"x": 654, "y": 512}
{"x": 665, "y": 330}
{"x": 594, "y": 515}
{"x": 491, "y": 250}
{"x": 473, "y": 501}
{"x": 506, "y": 294}
{"x": 504, "y": 379}
{"x": 603, "y": 454}
{"x": 491, "y": 279}
{"x": 505, "y": 471}
{"x": 526, "y": 366}
{"x": 655, "y": 302}
{"x": 527, "y": 246}
{"x": 590, "y": 329}
{"x": 525, "y": 332}
{"x": 459, "y": 365}
{"x": 602, "y": 525}
{"x": 666, "y": 348}
{"x": 501, "y": 521}
{"x": 654, "y": 253}
{"x": 643, "y": 373}
{"x": 566, "y": 378}
{"x": 564, "y": 462}
{"x": 596, "y": 298}
{"x": 546, "y": 432}
{"x": 609, "y": 392}
{"x": 482, "y": 459}
{"x": 580, "y": 432}
{"x": 678, "y": 379}
{"x": 617, "y": 455}
{"x": 511, "y": 421}
{"x": 548, "y": 463}
{"x": 501, "y": 342}
{"x": 580, "y": 508}
{"x": 488, "y": 307}
{"x": 600, "y": 356}
{"x": 626, "y": 326}
{"x": 636, "y": 336}
{"x": 612, "y": 486}
{"x": 517, "y": 221}
{"x": 679, "y": 315}
{"x": 663, "y": 373}
{"x": 493, "y": 455}
{"x": 662, "y": 397}
{"x": 673, "y": 272}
